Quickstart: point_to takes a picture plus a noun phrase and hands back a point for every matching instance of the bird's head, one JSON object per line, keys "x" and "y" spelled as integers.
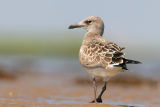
{"x": 91, "y": 24}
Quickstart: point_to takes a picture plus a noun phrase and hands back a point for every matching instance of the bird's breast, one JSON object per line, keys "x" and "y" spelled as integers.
{"x": 104, "y": 73}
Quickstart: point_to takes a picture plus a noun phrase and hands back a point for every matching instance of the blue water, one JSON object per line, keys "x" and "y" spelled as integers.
{"x": 67, "y": 100}
{"x": 49, "y": 64}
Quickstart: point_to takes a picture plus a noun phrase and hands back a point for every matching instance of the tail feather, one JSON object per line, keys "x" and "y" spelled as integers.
{"x": 125, "y": 62}
{"x": 128, "y": 61}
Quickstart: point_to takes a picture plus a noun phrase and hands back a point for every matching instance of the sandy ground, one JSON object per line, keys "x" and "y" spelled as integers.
{"x": 69, "y": 90}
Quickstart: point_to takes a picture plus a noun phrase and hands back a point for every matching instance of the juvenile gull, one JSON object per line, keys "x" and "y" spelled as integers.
{"x": 99, "y": 57}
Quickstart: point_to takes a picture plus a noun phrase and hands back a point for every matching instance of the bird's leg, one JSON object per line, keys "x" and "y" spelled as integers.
{"x": 95, "y": 90}
{"x": 99, "y": 99}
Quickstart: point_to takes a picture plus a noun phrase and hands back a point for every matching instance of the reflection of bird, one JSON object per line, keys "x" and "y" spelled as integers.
{"x": 99, "y": 57}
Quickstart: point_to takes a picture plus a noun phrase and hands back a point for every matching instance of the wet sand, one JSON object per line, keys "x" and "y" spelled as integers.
{"x": 70, "y": 90}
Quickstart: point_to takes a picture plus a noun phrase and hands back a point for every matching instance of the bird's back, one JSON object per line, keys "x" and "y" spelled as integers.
{"x": 97, "y": 56}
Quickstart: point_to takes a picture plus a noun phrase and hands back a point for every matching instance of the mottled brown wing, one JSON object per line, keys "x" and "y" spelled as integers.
{"x": 113, "y": 47}
{"x": 89, "y": 57}
{"x": 98, "y": 53}
{"x": 114, "y": 55}
{"x": 118, "y": 56}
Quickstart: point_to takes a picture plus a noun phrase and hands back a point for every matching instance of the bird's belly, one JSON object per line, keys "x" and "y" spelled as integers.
{"x": 105, "y": 73}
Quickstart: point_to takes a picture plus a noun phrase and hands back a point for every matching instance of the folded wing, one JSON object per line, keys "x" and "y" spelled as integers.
{"x": 101, "y": 53}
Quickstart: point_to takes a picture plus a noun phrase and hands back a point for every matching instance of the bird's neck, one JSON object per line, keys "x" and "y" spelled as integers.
{"x": 91, "y": 36}
{"x": 96, "y": 31}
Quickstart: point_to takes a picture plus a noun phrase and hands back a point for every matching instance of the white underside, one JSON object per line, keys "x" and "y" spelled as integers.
{"x": 105, "y": 74}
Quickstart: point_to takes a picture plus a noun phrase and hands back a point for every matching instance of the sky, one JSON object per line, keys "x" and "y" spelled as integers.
{"x": 129, "y": 16}
{"x": 133, "y": 21}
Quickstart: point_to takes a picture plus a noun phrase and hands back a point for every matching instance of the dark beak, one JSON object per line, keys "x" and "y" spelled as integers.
{"x": 74, "y": 26}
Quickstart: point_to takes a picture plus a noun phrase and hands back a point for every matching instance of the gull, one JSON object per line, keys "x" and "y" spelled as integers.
{"x": 99, "y": 57}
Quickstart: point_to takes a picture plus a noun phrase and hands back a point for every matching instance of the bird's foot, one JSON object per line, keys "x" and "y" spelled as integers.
{"x": 99, "y": 100}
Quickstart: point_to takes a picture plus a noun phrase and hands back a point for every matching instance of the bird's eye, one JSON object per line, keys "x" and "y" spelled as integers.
{"x": 88, "y": 22}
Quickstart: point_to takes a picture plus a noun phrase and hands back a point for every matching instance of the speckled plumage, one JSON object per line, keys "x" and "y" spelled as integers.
{"x": 99, "y": 57}
{"x": 96, "y": 54}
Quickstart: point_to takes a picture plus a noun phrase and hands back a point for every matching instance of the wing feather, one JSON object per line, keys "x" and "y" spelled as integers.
{"x": 101, "y": 53}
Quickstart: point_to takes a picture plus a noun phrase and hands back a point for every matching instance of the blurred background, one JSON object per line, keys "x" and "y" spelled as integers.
{"x": 34, "y": 36}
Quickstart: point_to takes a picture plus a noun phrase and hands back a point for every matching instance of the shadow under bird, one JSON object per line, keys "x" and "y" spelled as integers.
{"x": 99, "y": 57}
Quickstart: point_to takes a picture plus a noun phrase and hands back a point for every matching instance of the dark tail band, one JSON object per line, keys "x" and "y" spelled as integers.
{"x": 125, "y": 62}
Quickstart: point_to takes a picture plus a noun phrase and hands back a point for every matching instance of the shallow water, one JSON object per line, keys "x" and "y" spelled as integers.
{"x": 67, "y": 101}
{"x": 64, "y": 100}
{"x": 49, "y": 64}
